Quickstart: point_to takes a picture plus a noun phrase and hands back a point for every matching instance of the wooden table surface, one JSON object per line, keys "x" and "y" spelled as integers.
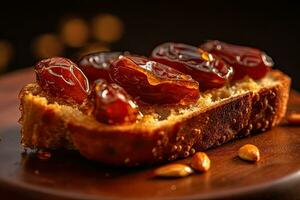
{"x": 69, "y": 176}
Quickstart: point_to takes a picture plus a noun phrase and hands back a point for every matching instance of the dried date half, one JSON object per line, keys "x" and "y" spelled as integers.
{"x": 209, "y": 70}
{"x": 62, "y": 78}
{"x": 110, "y": 103}
{"x": 245, "y": 60}
{"x": 97, "y": 65}
{"x": 153, "y": 82}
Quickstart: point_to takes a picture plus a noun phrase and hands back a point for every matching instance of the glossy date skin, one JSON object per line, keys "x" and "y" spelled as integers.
{"x": 97, "y": 65}
{"x": 245, "y": 60}
{"x": 109, "y": 103}
{"x": 209, "y": 70}
{"x": 62, "y": 78}
{"x": 153, "y": 82}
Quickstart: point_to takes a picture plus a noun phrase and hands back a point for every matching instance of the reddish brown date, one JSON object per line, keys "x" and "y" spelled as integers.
{"x": 97, "y": 65}
{"x": 62, "y": 78}
{"x": 209, "y": 70}
{"x": 111, "y": 104}
{"x": 245, "y": 60}
{"x": 153, "y": 82}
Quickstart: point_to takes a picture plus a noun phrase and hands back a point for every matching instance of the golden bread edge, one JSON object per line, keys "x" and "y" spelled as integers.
{"x": 46, "y": 126}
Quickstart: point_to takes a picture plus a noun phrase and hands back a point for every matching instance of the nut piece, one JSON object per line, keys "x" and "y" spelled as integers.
{"x": 249, "y": 152}
{"x": 293, "y": 118}
{"x": 173, "y": 171}
{"x": 200, "y": 162}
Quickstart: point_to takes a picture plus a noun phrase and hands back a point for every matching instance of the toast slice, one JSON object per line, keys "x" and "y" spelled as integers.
{"x": 165, "y": 132}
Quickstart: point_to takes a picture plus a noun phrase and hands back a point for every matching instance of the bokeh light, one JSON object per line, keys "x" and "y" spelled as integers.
{"x": 6, "y": 53}
{"x": 74, "y": 32}
{"x": 47, "y": 45}
{"x": 107, "y": 28}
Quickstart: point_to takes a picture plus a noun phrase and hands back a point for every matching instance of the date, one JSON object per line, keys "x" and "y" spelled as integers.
{"x": 245, "y": 60}
{"x": 62, "y": 78}
{"x": 153, "y": 82}
{"x": 97, "y": 65}
{"x": 111, "y": 104}
{"x": 209, "y": 70}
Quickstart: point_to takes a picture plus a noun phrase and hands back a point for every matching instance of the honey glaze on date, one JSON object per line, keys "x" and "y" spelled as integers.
{"x": 209, "y": 70}
{"x": 245, "y": 60}
{"x": 62, "y": 78}
{"x": 153, "y": 82}
{"x": 109, "y": 103}
{"x": 97, "y": 65}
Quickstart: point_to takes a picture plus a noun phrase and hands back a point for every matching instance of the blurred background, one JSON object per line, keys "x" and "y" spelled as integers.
{"x": 34, "y": 30}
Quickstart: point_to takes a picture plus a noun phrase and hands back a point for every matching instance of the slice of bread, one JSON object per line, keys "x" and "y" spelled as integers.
{"x": 165, "y": 132}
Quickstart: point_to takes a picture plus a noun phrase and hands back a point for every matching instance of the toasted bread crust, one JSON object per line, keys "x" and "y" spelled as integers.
{"x": 44, "y": 127}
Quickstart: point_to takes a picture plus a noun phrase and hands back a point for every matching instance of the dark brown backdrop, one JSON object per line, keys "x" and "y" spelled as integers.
{"x": 271, "y": 26}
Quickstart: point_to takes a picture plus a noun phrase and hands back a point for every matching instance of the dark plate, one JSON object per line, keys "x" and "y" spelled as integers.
{"x": 66, "y": 175}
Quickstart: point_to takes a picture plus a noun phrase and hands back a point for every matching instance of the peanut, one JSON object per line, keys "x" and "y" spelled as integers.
{"x": 249, "y": 152}
{"x": 200, "y": 162}
{"x": 293, "y": 118}
{"x": 173, "y": 171}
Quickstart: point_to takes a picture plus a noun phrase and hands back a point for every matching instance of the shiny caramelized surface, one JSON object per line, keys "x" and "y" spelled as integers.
{"x": 245, "y": 60}
{"x": 62, "y": 78}
{"x": 97, "y": 65}
{"x": 109, "y": 103}
{"x": 153, "y": 82}
{"x": 209, "y": 70}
